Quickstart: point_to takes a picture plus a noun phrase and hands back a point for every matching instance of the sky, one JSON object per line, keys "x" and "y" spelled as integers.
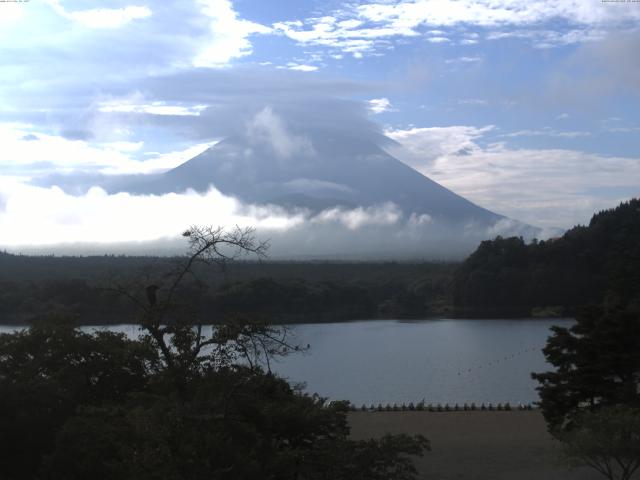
{"x": 530, "y": 109}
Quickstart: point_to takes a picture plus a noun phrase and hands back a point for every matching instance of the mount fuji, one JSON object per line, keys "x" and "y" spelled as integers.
{"x": 328, "y": 171}
{"x": 348, "y": 196}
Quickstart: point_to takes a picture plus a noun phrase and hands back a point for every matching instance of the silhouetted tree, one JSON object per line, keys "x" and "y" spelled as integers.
{"x": 597, "y": 364}
{"x": 50, "y": 371}
{"x": 607, "y": 440}
{"x": 587, "y": 265}
{"x": 181, "y": 402}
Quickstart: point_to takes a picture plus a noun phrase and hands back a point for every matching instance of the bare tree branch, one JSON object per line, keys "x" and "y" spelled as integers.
{"x": 179, "y": 336}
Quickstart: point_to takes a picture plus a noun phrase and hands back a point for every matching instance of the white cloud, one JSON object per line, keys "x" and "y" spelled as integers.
{"x": 544, "y": 38}
{"x": 299, "y": 67}
{"x": 29, "y": 154}
{"x": 348, "y": 36}
{"x": 102, "y": 17}
{"x": 97, "y": 217}
{"x": 268, "y": 129}
{"x": 99, "y": 222}
{"x": 229, "y": 35}
{"x": 420, "y": 219}
{"x": 311, "y": 185}
{"x": 543, "y": 187}
{"x": 154, "y": 162}
{"x": 623, "y": 129}
{"x": 20, "y": 151}
{"x": 12, "y": 13}
{"x": 547, "y": 132}
{"x": 438, "y": 40}
{"x": 464, "y": 60}
{"x": 422, "y": 146}
{"x": 353, "y": 219}
{"x": 472, "y": 101}
{"x": 440, "y": 13}
{"x": 379, "y": 105}
{"x": 367, "y": 27}
{"x": 348, "y": 24}
{"x": 130, "y": 105}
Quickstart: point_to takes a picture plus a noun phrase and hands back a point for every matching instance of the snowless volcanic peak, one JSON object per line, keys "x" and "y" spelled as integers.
{"x": 315, "y": 172}
{"x": 315, "y": 193}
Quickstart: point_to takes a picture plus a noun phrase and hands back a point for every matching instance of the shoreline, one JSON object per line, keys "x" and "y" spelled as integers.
{"x": 24, "y": 321}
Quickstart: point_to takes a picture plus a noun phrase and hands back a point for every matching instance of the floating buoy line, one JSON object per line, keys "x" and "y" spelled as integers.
{"x": 497, "y": 361}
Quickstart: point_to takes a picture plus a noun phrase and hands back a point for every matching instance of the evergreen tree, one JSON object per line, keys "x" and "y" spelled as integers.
{"x": 597, "y": 363}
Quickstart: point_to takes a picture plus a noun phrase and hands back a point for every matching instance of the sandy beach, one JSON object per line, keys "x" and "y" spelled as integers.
{"x": 479, "y": 445}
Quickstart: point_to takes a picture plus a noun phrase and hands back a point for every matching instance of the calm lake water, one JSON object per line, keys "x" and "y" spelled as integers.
{"x": 440, "y": 361}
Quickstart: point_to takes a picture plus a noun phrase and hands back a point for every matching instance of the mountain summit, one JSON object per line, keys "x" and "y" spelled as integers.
{"x": 325, "y": 171}
{"x": 317, "y": 192}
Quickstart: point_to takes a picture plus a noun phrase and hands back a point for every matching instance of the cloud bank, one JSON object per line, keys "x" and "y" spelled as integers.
{"x": 96, "y": 222}
{"x": 544, "y": 187}
{"x": 373, "y": 27}
{"x": 536, "y": 186}
{"x": 102, "y": 17}
{"x": 173, "y": 78}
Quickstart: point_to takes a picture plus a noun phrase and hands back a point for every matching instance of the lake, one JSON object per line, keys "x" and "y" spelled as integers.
{"x": 440, "y": 361}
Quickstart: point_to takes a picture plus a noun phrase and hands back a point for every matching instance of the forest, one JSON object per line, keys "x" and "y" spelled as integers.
{"x": 285, "y": 292}
{"x": 588, "y": 265}
{"x": 504, "y": 277}
{"x": 175, "y": 403}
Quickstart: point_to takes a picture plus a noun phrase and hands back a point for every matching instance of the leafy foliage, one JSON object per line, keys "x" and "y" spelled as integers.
{"x": 587, "y": 265}
{"x": 285, "y": 292}
{"x": 607, "y": 440}
{"x": 48, "y": 372}
{"x": 181, "y": 402}
{"x": 78, "y": 406}
{"x": 597, "y": 363}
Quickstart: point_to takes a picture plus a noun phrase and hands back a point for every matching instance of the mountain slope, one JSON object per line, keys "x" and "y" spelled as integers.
{"x": 329, "y": 170}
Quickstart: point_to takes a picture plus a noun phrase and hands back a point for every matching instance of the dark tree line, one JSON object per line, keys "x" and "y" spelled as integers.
{"x": 178, "y": 402}
{"x": 100, "y": 406}
{"x": 597, "y": 364}
{"x": 591, "y": 398}
{"x": 285, "y": 292}
{"x": 505, "y": 277}
{"x": 587, "y": 265}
